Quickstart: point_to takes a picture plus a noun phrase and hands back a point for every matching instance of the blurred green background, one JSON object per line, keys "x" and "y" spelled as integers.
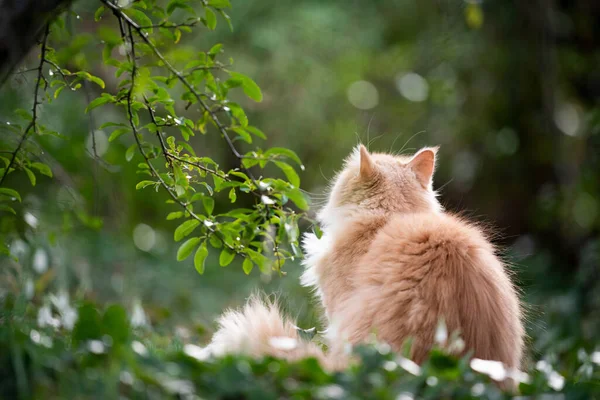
{"x": 509, "y": 90}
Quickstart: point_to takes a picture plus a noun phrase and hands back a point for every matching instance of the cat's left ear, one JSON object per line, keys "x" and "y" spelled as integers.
{"x": 423, "y": 165}
{"x": 367, "y": 166}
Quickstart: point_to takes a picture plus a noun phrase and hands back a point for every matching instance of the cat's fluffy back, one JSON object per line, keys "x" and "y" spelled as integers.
{"x": 421, "y": 267}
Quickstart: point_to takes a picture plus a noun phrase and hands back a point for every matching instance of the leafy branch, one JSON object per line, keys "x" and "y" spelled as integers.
{"x": 32, "y": 126}
{"x": 269, "y": 218}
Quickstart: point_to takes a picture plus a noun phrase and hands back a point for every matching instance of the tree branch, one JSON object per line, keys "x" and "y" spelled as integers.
{"x": 32, "y": 126}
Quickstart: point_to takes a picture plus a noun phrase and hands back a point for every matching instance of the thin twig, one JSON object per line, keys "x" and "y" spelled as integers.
{"x": 155, "y": 173}
{"x": 119, "y": 13}
{"x": 121, "y": 16}
{"x": 33, "y": 123}
{"x": 171, "y": 25}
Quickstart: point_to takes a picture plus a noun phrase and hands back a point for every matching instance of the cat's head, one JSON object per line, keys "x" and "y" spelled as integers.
{"x": 381, "y": 183}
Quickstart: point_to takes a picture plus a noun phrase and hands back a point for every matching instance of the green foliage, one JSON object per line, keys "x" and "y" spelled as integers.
{"x": 105, "y": 357}
{"x": 519, "y": 141}
{"x": 165, "y": 103}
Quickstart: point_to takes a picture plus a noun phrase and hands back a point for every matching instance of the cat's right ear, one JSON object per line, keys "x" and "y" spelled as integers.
{"x": 423, "y": 165}
{"x": 367, "y": 165}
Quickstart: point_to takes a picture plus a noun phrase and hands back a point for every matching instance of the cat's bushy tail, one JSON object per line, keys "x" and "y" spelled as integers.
{"x": 259, "y": 329}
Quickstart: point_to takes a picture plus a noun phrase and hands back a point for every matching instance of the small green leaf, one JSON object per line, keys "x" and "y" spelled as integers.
{"x": 298, "y": 198}
{"x": 200, "y": 258}
{"x": 232, "y": 195}
{"x": 186, "y": 248}
{"x": 26, "y": 115}
{"x": 219, "y": 3}
{"x": 140, "y": 17}
{"x": 98, "y": 13}
{"x": 247, "y": 266}
{"x": 10, "y": 193}
{"x": 216, "y": 49}
{"x": 60, "y": 89}
{"x": 30, "y": 175}
{"x": 289, "y": 172}
{"x": 215, "y": 241}
{"x": 43, "y": 168}
{"x": 185, "y": 229}
{"x": 255, "y": 131}
{"x": 281, "y": 151}
{"x": 211, "y": 19}
{"x": 4, "y": 207}
{"x": 175, "y": 215}
{"x": 105, "y": 98}
{"x": 175, "y": 4}
{"x": 116, "y": 324}
{"x": 143, "y": 184}
{"x": 226, "y": 257}
{"x": 259, "y": 259}
{"x": 130, "y": 152}
{"x": 117, "y": 133}
{"x": 209, "y": 204}
{"x": 317, "y": 231}
{"x": 250, "y": 87}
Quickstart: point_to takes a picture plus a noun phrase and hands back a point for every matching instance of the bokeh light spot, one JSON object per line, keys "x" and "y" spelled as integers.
{"x": 567, "y": 118}
{"x": 144, "y": 237}
{"x": 413, "y": 87}
{"x": 363, "y": 95}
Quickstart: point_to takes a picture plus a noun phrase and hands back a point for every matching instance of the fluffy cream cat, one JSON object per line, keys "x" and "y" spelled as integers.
{"x": 393, "y": 263}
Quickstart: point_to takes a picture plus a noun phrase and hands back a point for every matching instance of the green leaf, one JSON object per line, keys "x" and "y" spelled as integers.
{"x": 105, "y": 98}
{"x": 43, "y": 168}
{"x": 91, "y": 78}
{"x": 200, "y": 258}
{"x": 139, "y": 16}
{"x": 255, "y": 131}
{"x": 175, "y": 4}
{"x": 238, "y": 113}
{"x": 250, "y": 87}
{"x": 130, "y": 152}
{"x": 259, "y": 259}
{"x": 298, "y": 198}
{"x": 219, "y": 3}
{"x": 216, "y": 49}
{"x": 98, "y": 13}
{"x": 118, "y": 133}
{"x": 88, "y": 325}
{"x": 30, "y": 175}
{"x": 281, "y": 151}
{"x": 26, "y": 115}
{"x": 209, "y": 204}
{"x": 109, "y": 124}
{"x": 60, "y": 89}
{"x": 232, "y": 195}
{"x": 116, "y": 324}
{"x": 143, "y": 184}
{"x": 247, "y": 266}
{"x": 4, "y": 207}
{"x": 289, "y": 172}
{"x": 185, "y": 229}
{"x": 215, "y": 241}
{"x": 226, "y": 257}
{"x": 245, "y": 136}
{"x": 10, "y": 193}
{"x": 175, "y": 215}
{"x": 186, "y": 248}
{"x": 211, "y": 19}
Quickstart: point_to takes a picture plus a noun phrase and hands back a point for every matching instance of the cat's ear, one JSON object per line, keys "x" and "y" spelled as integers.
{"x": 423, "y": 165}
{"x": 367, "y": 165}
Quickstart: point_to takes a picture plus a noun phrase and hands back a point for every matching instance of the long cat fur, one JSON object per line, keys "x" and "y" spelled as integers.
{"x": 390, "y": 262}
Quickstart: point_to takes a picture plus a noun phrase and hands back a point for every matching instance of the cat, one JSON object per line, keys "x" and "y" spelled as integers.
{"x": 392, "y": 262}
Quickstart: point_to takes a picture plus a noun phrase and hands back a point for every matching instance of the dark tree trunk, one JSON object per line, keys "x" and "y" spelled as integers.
{"x": 21, "y": 24}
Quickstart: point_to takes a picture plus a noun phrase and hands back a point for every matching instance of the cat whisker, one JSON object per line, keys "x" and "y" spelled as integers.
{"x": 409, "y": 139}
